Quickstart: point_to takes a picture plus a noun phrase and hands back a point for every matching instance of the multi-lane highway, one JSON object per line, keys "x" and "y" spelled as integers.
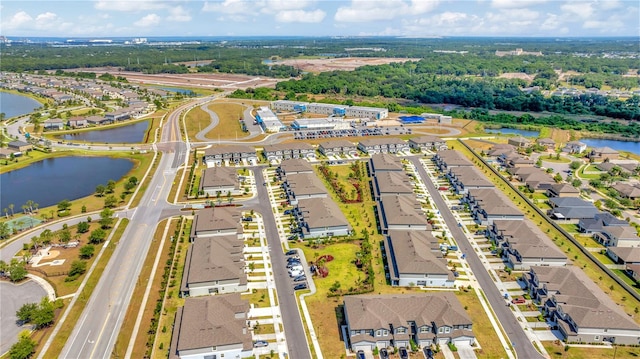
{"x": 95, "y": 333}
{"x": 519, "y": 340}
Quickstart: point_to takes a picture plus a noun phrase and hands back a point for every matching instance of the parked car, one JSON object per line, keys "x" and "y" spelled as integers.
{"x": 292, "y": 237}
{"x": 293, "y": 258}
{"x": 295, "y": 273}
{"x": 360, "y": 354}
{"x": 300, "y": 286}
{"x": 288, "y": 211}
{"x": 291, "y": 252}
{"x": 260, "y": 344}
{"x": 384, "y": 354}
{"x": 300, "y": 278}
{"x": 443, "y": 188}
{"x": 456, "y": 274}
{"x": 428, "y": 353}
{"x": 247, "y": 219}
{"x": 518, "y": 300}
{"x": 295, "y": 267}
{"x": 403, "y": 353}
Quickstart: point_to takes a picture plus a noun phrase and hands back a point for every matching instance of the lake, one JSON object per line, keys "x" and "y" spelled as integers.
{"x": 628, "y": 146}
{"x": 17, "y": 105}
{"x": 513, "y": 131}
{"x": 178, "y": 90}
{"x": 133, "y": 133}
{"x": 49, "y": 181}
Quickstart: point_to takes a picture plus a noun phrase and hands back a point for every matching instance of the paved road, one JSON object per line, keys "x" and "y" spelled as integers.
{"x": 519, "y": 340}
{"x": 95, "y": 333}
{"x": 13, "y": 297}
{"x": 294, "y": 331}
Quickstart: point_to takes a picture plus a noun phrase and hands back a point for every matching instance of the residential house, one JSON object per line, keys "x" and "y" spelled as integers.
{"x": 609, "y": 166}
{"x": 98, "y": 120}
{"x": 465, "y": 178}
{"x": 393, "y": 183}
{"x": 574, "y": 147}
{"x": 570, "y": 209}
{"x": 294, "y": 166}
{"x": 216, "y": 221}
{"x": 221, "y": 180}
{"x": 618, "y": 236}
{"x": 120, "y": 114}
{"x": 283, "y": 151}
{"x": 53, "y": 124}
{"x": 6, "y": 153}
{"x": 580, "y": 310}
{"x": 212, "y": 327}
{"x": 518, "y": 141}
{"x": 401, "y": 212}
{"x": 321, "y": 217}
{"x": 337, "y": 148}
{"x": 600, "y": 221}
{"x": 627, "y": 190}
{"x": 372, "y": 146}
{"x": 231, "y": 154}
{"x": 382, "y": 162}
{"x": 415, "y": 260}
{"x": 214, "y": 265}
{"x": 515, "y": 160}
{"x": 562, "y": 190}
{"x": 393, "y": 320}
{"x": 624, "y": 255}
{"x": 534, "y": 178}
{"x": 501, "y": 150}
{"x": 524, "y": 245}
{"x": 446, "y": 159}
{"x": 488, "y": 205}
{"x": 77, "y": 122}
{"x": 20, "y": 146}
{"x": 603, "y": 154}
{"x": 303, "y": 186}
{"x": 547, "y": 143}
{"x": 427, "y": 143}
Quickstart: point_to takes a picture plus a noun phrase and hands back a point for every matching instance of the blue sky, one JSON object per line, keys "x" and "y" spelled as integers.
{"x": 419, "y": 18}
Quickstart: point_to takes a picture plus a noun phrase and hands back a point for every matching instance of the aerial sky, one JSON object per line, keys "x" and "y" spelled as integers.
{"x": 413, "y": 18}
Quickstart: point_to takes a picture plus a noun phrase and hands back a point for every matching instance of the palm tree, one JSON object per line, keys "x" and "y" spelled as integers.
{"x": 35, "y": 206}
{"x": 30, "y": 204}
{"x": 24, "y": 208}
{"x": 11, "y": 205}
{"x": 6, "y": 212}
{"x": 229, "y": 198}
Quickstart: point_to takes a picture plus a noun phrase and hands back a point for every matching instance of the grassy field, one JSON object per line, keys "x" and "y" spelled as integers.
{"x": 557, "y": 351}
{"x": 83, "y": 298}
{"x": 172, "y": 301}
{"x": 228, "y": 126}
{"x": 606, "y": 283}
{"x": 124, "y": 336}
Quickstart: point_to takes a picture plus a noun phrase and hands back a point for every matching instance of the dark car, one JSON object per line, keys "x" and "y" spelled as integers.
{"x": 428, "y": 353}
{"x": 292, "y": 237}
{"x": 247, "y": 219}
{"x": 384, "y": 354}
{"x": 403, "y": 353}
{"x": 293, "y": 260}
{"x": 260, "y": 344}
{"x": 288, "y": 211}
{"x": 291, "y": 252}
{"x": 300, "y": 278}
{"x": 300, "y": 286}
{"x": 360, "y": 354}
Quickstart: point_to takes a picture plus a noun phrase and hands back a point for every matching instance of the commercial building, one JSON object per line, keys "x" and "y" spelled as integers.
{"x": 268, "y": 120}
{"x": 320, "y": 124}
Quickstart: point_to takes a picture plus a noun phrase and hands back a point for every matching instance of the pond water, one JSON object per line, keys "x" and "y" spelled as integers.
{"x": 513, "y": 131}
{"x": 49, "y": 181}
{"x": 16, "y": 105}
{"x": 178, "y": 90}
{"x": 133, "y": 133}
{"x": 633, "y": 147}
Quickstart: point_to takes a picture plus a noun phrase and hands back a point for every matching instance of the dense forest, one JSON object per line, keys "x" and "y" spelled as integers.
{"x": 416, "y": 81}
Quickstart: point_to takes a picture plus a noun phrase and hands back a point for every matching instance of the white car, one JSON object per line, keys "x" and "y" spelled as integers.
{"x": 295, "y": 273}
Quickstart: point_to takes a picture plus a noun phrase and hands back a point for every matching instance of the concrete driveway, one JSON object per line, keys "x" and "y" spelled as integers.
{"x": 13, "y": 296}
{"x": 465, "y": 351}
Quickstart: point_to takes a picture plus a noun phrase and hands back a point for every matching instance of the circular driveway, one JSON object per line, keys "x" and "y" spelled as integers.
{"x": 12, "y": 297}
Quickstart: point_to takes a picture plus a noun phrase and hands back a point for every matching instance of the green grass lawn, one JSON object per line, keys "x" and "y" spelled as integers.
{"x": 554, "y": 159}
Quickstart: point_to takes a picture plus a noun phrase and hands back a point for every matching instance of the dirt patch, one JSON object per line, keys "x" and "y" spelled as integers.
{"x": 344, "y": 63}
{"x": 516, "y": 75}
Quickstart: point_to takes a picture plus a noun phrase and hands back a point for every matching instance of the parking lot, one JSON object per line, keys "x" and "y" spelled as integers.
{"x": 360, "y": 131}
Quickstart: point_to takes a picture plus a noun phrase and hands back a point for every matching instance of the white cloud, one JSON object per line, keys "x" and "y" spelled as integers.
{"x": 230, "y": 7}
{"x": 370, "y": 10}
{"x": 609, "y": 4}
{"x": 583, "y": 10}
{"x": 47, "y": 16}
{"x": 148, "y": 20}
{"x": 129, "y": 6}
{"x": 300, "y": 16}
{"x": 515, "y": 4}
{"x": 552, "y": 22}
{"x": 279, "y": 5}
{"x": 179, "y": 14}
{"x": 17, "y": 20}
{"x": 603, "y": 26}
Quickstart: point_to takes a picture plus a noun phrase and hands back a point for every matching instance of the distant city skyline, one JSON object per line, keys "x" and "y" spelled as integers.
{"x": 413, "y": 18}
